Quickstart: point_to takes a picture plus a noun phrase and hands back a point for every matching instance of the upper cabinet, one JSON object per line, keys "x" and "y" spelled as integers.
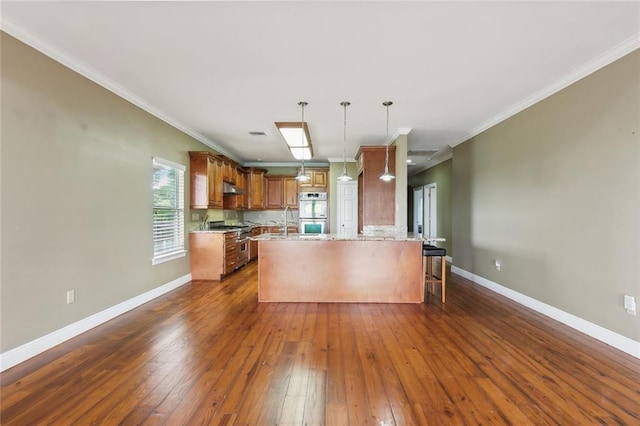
{"x": 208, "y": 171}
{"x": 206, "y": 180}
{"x": 376, "y": 198}
{"x": 256, "y": 188}
{"x": 290, "y": 185}
{"x": 282, "y": 191}
{"x": 318, "y": 181}
{"x": 274, "y": 188}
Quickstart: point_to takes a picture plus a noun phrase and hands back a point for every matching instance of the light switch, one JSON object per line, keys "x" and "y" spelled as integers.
{"x": 630, "y": 304}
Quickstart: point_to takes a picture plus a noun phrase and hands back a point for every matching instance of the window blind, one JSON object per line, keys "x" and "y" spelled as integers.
{"x": 168, "y": 208}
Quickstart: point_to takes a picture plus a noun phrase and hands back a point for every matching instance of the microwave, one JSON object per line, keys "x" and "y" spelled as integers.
{"x": 313, "y": 226}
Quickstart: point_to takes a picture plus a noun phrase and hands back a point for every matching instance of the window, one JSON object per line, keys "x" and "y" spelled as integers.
{"x": 168, "y": 210}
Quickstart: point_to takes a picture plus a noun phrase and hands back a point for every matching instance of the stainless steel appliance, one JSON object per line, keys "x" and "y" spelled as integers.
{"x": 242, "y": 239}
{"x": 312, "y": 212}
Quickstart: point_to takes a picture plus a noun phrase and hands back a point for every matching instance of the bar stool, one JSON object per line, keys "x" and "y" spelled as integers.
{"x": 429, "y": 254}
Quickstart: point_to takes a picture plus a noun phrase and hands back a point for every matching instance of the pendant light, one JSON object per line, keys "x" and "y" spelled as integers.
{"x": 344, "y": 177}
{"x": 386, "y": 176}
{"x": 302, "y": 176}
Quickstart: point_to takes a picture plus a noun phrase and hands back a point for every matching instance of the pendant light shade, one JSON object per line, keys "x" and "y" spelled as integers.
{"x": 386, "y": 176}
{"x": 344, "y": 177}
{"x": 302, "y": 176}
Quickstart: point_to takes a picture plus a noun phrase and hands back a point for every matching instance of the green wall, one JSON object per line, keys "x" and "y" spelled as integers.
{"x": 554, "y": 194}
{"x": 76, "y": 171}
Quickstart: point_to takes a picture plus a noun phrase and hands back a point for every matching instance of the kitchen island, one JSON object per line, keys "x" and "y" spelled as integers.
{"x": 329, "y": 268}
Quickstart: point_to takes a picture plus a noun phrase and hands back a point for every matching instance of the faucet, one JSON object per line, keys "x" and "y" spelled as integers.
{"x": 286, "y": 225}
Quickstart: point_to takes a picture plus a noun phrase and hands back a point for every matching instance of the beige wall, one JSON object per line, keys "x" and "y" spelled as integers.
{"x": 441, "y": 175}
{"x": 76, "y": 196}
{"x": 554, "y": 194}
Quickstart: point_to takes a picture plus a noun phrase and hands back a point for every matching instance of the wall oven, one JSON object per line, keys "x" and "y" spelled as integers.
{"x": 313, "y": 226}
{"x": 312, "y": 212}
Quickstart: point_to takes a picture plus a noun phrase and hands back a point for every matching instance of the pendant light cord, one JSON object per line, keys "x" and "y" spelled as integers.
{"x": 345, "y": 104}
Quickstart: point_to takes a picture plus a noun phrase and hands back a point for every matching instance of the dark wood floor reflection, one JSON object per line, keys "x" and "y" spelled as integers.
{"x": 208, "y": 353}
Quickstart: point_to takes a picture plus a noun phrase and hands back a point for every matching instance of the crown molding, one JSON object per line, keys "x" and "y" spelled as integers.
{"x": 296, "y": 164}
{"x": 432, "y": 163}
{"x": 579, "y": 73}
{"x": 86, "y": 71}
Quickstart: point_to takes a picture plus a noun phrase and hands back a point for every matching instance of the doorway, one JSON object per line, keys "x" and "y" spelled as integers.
{"x": 425, "y": 210}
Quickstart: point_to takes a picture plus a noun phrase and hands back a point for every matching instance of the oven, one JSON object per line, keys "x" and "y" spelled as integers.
{"x": 313, "y": 226}
{"x": 312, "y": 213}
{"x": 242, "y": 242}
{"x": 312, "y": 205}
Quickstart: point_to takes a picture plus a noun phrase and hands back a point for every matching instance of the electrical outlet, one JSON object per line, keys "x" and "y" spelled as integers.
{"x": 71, "y": 296}
{"x": 630, "y": 304}
{"x": 195, "y": 217}
{"x": 498, "y": 265}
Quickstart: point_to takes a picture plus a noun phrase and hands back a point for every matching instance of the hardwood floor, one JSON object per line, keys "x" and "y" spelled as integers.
{"x": 208, "y": 353}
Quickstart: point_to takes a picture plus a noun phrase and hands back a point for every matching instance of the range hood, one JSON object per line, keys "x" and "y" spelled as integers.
{"x": 230, "y": 189}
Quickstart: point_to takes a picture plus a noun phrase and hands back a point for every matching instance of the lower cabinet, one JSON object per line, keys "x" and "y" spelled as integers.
{"x": 230, "y": 252}
{"x": 213, "y": 255}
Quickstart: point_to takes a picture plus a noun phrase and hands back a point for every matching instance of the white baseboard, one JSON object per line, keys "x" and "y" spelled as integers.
{"x": 22, "y": 353}
{"x": 609, "y": 337}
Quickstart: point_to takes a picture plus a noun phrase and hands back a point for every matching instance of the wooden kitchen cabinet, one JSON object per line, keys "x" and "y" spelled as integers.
{"x": 242, "y": 183}
{"x": 230, "y": 252}
{"x": 205, "y": 171}
{"x": 318, "y": 181}
{"x": 282, "y": 191}
{"x": 290, "y": 185}
{"x": 274, "y": 188}
{"x": 256, "y": 189}
{"x": 238, "y": 201}
{"x": 228, "y": 171}
{"x": 376, "y": 198}
{"x": 212, "y": 255}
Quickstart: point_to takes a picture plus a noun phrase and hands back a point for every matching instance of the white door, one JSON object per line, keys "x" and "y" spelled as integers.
{"x": 430, "y": 210}
{"x": 347, "y": 209}
{"x": 418, "y": 211}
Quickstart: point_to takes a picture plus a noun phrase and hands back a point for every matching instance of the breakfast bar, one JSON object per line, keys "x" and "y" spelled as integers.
{"x": 328, "y": 268}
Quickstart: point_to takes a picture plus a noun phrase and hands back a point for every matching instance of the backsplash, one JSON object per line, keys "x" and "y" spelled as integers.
{"x": 231, "y": 217}
{"x": 269, "y": 216}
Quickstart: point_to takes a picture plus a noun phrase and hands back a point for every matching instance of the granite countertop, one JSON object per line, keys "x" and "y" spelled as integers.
{"x": 336, "y": 237}
{"x": 214, "y": 231}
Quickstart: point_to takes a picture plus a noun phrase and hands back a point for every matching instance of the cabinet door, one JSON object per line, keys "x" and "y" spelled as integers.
{"x": 318, "y": 181}
{"x": 256, "y": 191}
{"x": 275, "y": 192}
{"x": 199, "y": 174}
{"x": 215, "y": 183}
{"x": 243, "y": 199}
{"x": 228, "y": 173}
{"x": 290, "y": 192}
{"x": 319, "y": 178}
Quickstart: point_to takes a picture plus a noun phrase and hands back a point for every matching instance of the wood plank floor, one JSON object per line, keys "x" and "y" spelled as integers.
{"x": 208, "y": 353}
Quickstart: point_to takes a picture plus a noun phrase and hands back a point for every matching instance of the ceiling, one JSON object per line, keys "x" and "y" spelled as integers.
{"x": 220, "y": 70}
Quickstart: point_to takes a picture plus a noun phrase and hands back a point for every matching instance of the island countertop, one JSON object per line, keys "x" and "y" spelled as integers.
{"x": 331, "y": 268}
{"x": 337, "y": 237}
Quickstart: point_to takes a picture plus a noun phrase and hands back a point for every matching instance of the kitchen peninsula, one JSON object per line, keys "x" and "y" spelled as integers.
{"x": 329, "y": 268}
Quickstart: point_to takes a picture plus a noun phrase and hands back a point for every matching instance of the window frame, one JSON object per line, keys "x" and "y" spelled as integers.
{"x": 180, "y": 251}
